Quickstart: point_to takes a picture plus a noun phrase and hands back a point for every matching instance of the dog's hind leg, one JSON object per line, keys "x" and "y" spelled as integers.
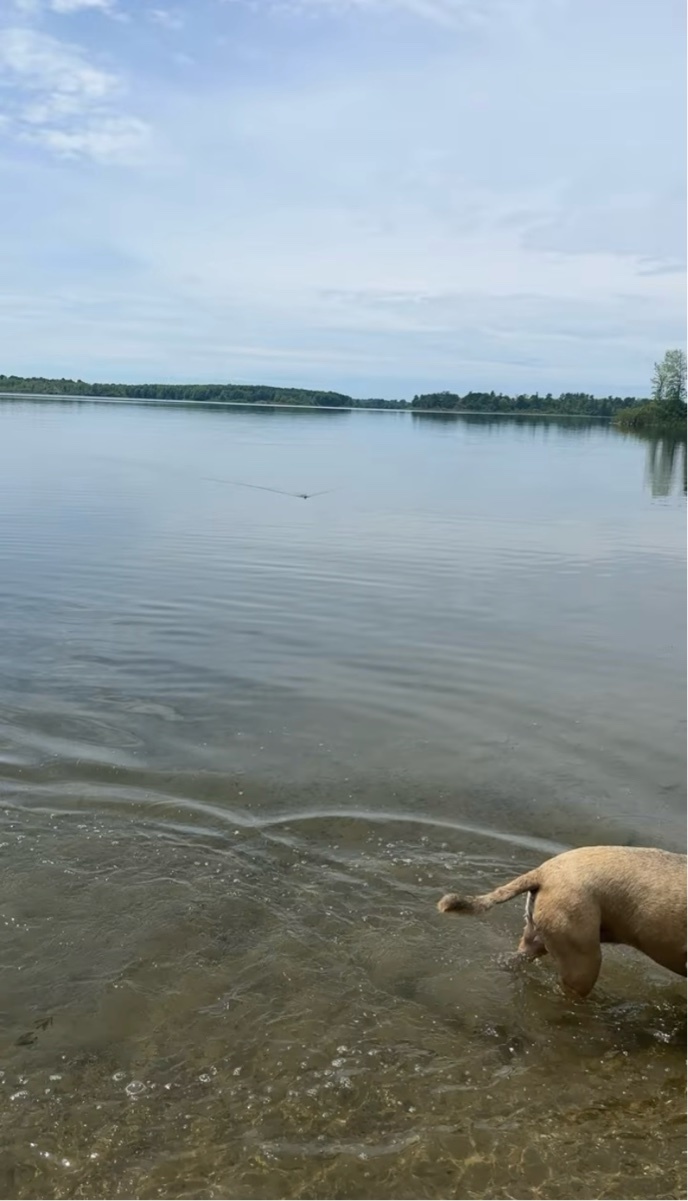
{"x": 569, "y": 926}
{"x": 578, "y": 964}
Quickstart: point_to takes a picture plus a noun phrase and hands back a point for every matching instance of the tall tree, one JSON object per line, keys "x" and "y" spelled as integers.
{"x": 669, "y": 383}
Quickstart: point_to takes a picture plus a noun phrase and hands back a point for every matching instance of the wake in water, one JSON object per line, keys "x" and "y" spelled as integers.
{"x": 211, "y": 479}
{"x": 264, "y": 488}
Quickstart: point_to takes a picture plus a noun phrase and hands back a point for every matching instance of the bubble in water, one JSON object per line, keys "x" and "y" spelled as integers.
{"x": 115, "y": 1076}
{"x": 135, "y": 1088}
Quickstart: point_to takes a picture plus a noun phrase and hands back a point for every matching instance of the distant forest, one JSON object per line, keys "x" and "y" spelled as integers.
{"x": 210, "y": 393}
{"x": 570, "y": 403}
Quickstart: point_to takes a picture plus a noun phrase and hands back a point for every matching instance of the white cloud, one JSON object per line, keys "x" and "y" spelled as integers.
{"x": 73, "y": 6}
{"x": 64, "y": 7}
{"x": 439, "y": 12}
{"x": 167, "y": 18}
{"x": 107, "y": 140}
{"x": 58, "y": 99}
{"x": 42, "y": 64}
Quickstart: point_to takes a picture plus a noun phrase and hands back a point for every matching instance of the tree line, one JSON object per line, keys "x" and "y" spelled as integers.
{"x": 665, "y": 405}
{"x": 573, "y": 403}
{"x": 218, "y": 393}
{"x": 477, "y": 402}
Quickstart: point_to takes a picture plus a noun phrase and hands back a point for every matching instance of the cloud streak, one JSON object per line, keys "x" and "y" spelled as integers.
{"x": 446, "y": 14}
{"x": 34, "y": 8}
{"x": 74, "y": 6}
{"x": 60, "y": 100}
{"x": 167, "y": 18}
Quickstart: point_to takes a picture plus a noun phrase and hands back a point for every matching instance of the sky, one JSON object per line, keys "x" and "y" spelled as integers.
{"x": 380, "y": 197}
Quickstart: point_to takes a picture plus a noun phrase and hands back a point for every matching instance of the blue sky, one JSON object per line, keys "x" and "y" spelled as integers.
{"x": 378, "y": 196}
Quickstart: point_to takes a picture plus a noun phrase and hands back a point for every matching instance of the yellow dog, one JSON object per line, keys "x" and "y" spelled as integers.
{"x": 577, "y": 901}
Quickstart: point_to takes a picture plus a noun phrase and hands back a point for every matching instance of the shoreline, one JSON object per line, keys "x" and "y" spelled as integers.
{"x": 239, "y": 404}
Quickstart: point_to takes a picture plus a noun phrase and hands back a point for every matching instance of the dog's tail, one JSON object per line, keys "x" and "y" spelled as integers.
{"x": 453, "y": 903}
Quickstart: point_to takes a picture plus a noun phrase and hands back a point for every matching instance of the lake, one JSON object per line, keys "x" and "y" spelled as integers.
{"x": 249, "y": 739}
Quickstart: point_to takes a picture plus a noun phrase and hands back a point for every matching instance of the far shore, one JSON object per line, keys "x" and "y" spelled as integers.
{"x": 244, "y": 404}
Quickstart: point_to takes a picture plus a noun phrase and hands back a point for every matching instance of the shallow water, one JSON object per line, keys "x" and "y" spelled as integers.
{"x": 247, "y": 740}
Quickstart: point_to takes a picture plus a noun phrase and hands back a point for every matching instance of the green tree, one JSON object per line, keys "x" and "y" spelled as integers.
{"x": 667, "y": 409}
{"x": 669, "y": 383}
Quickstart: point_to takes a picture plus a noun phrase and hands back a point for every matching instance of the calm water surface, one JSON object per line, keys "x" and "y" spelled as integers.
{"x": 249, "y": 739}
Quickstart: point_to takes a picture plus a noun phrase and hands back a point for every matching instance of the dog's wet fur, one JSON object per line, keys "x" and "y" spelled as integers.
{"x": 576, "y": 901}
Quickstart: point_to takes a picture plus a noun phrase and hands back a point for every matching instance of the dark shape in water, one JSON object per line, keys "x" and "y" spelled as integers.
{"x": 30, "y": 1036}
{"x": 264, "y": 488}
